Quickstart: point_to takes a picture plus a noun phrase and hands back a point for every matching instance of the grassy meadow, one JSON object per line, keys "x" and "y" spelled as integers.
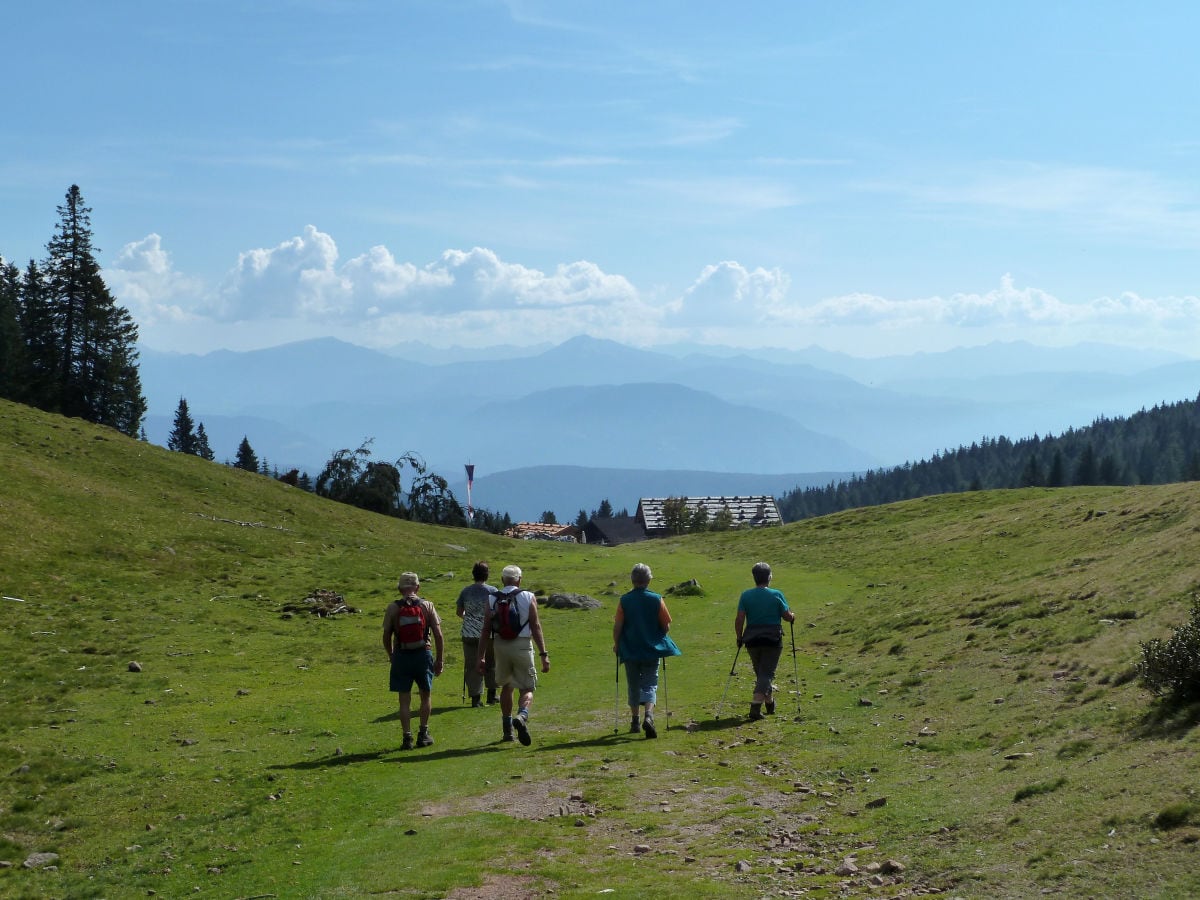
{"x": 961, "y": 717}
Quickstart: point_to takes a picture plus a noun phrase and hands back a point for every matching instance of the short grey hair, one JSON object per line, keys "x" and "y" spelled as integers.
{"x": 511, "y": 574}
{"x": 761, "y": 573}
{"x": 641, "y": 574}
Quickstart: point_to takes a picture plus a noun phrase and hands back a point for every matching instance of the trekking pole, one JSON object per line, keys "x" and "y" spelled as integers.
{"x": 728, "y": 681}
{"x": 795, "y": 665}
{"x": 666, "y": 700}
{"x": 617, "y": 697}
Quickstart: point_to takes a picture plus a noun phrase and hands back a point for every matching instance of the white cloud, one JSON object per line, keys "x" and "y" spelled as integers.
{"x": 1133, "y": 310}
{"x": 379, "y": 281}
{"x": 297, "y": 277}
{"x": 482, "y": 280}
{"x": 300, "y": 288}
{"x": 1005, "y": 305}
{"x": 144, "y": 280}
{"x": 730, "y": 294}
{"x": 302, "y": 278}
{"x": 1006, "y": 312}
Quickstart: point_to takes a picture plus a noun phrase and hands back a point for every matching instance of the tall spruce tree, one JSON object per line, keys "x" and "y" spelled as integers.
{"x": 246, "y": 457}
{"x": 95, "y": 374}
{"x": 203, "y": 449}
{"x": 39, "y": 341}
{"x": 182, "y": 438}
{"x": 11, "y": 349}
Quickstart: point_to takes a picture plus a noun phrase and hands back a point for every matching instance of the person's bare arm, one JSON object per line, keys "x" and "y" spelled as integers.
{"x": 481, "y": 662}
{"x": 389, "y": 630}
{"x": 438, "y": 643}
{"x": 535, "y": 629}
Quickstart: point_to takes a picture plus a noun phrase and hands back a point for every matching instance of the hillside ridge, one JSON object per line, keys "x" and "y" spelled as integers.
{"x": 987, "y": 639}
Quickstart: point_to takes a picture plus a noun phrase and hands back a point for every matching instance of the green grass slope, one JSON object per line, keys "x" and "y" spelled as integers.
{"x": 960, "y": 718}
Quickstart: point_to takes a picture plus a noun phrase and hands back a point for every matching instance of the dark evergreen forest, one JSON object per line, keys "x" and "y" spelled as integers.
{"x": 66, "y": 345}
{"x": 1153, "y": 446}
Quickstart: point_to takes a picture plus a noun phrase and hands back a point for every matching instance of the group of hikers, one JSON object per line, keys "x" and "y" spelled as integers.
{"x": 501, "y": 632}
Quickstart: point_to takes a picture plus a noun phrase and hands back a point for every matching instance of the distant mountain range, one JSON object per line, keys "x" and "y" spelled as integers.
{"x": 546, "y": 429}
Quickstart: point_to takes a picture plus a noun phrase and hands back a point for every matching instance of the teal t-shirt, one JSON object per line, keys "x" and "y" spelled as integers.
{"x": 762, "y": 606}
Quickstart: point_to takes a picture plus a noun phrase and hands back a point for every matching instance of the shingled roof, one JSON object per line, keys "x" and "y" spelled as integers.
{"x": 613, "y": 530}
{"x": 750, "y": 511}
{"x": 542, "y": 531}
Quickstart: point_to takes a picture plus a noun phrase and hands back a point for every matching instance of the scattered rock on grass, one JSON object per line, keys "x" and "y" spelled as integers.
{"x": 40, "y": 860}
{"x": 572, "y": 601}
{"x": 321, "y": 602}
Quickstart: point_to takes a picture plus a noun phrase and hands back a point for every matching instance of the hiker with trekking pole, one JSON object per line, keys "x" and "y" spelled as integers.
{"x": 471, "y": 606}
{"x": 640, "y": 640}
{"x": 760, "y": 611}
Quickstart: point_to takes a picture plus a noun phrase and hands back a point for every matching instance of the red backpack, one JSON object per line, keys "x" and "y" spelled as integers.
{"x": 506, "y": 615}
{"x": 410, "y": 624}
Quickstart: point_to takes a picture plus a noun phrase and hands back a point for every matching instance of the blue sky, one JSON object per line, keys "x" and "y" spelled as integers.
{"x": 871, "y": 177}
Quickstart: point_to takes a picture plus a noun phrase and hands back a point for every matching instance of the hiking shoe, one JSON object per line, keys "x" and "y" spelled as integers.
{"x": 507, "y": 736}
{"x": 635, "y": 726}
{"x": 769, "y": 706}
{"x": 407, "y": 744}
{"x": 521, "y": 727}
{"x": 424, "y": 740}
{"x": 648, "y": 727}
{"x": 476, "y": 702}
{"x": 492, "y": 698}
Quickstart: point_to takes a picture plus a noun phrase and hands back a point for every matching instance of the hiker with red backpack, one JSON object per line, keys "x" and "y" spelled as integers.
{"x": 512, "y": 619}
{"x": 640, "y": 640}
{"x": 407, "y": 626}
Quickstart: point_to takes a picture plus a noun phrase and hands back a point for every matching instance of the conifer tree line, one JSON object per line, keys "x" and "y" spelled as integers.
{"x": 1156, "y": 446}
{"x": 66, "y": 346}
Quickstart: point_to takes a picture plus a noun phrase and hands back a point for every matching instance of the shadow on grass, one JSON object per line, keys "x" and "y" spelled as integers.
{"x": 605, "y": 740}
{"x": 394, "y": 715}
{"x": 624, "y": 737}
{"x": 719, "y": 724}
{"x": 391, "y": 754}
{"x": 1165, "y": 719}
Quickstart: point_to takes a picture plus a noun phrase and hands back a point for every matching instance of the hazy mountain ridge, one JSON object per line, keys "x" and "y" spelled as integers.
{"x": 599, "y": 404}
{"x": 526, "y": 493}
